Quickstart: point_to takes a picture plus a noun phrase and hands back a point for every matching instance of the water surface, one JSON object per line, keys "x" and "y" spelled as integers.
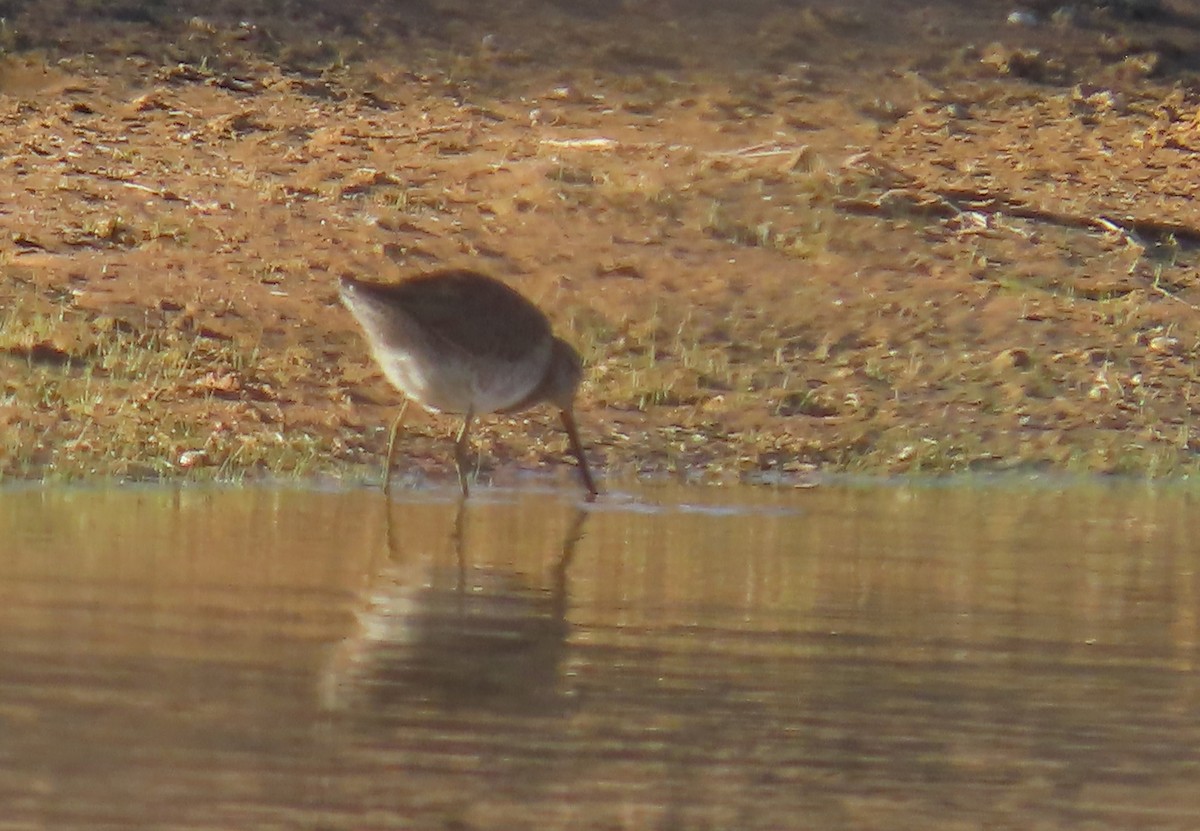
{"x": 996, "y": 657}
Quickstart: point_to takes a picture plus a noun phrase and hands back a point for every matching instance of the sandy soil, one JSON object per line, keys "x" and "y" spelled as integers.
{"x": 787, "y": 237}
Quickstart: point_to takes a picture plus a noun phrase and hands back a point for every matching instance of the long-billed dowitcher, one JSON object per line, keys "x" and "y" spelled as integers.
{"x": 460, "y": 342}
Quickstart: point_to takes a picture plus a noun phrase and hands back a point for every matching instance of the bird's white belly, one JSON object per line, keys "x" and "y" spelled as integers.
{"x": 479, "y": 385}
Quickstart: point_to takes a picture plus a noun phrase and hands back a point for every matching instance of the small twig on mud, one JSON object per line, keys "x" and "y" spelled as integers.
{"x": 956, "y": 200}
{"x": 412, "y": 135}
{"x": 1174, "y": 297}
{"x": 582, "y": 144}
{"x": 753, "y": 151}
{"x": 162, "y": 193}
{"x": 1108, "y": 224}
{"x": 601, "y": 143}
{"x": 766, "y": 148}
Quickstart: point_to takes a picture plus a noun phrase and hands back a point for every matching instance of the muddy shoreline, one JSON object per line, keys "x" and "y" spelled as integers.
{"x": 787, "y": 239}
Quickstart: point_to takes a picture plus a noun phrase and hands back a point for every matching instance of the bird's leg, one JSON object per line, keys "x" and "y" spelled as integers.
{"x": 391, "y": 449}
{"x": 568, "y": 420}
{"x": 460, "y": 451}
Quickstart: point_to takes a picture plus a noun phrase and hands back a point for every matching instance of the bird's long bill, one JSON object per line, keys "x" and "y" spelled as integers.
{"x": 568, "y": 420}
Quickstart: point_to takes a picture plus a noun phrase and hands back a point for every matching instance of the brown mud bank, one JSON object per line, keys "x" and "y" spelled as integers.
{"x": 786, "y": 237}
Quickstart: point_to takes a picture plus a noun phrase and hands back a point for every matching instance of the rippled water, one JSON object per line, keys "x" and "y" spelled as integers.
{"x": 998, "y": 657}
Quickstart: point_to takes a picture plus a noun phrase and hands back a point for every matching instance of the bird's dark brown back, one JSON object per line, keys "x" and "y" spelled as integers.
{"x": 471, "y": 311}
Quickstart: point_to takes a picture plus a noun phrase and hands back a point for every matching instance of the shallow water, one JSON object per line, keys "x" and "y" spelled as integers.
{"x": 994, "y": 657}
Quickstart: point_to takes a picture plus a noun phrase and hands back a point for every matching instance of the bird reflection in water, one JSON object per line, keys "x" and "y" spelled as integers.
{"x": 456, "y": 637}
